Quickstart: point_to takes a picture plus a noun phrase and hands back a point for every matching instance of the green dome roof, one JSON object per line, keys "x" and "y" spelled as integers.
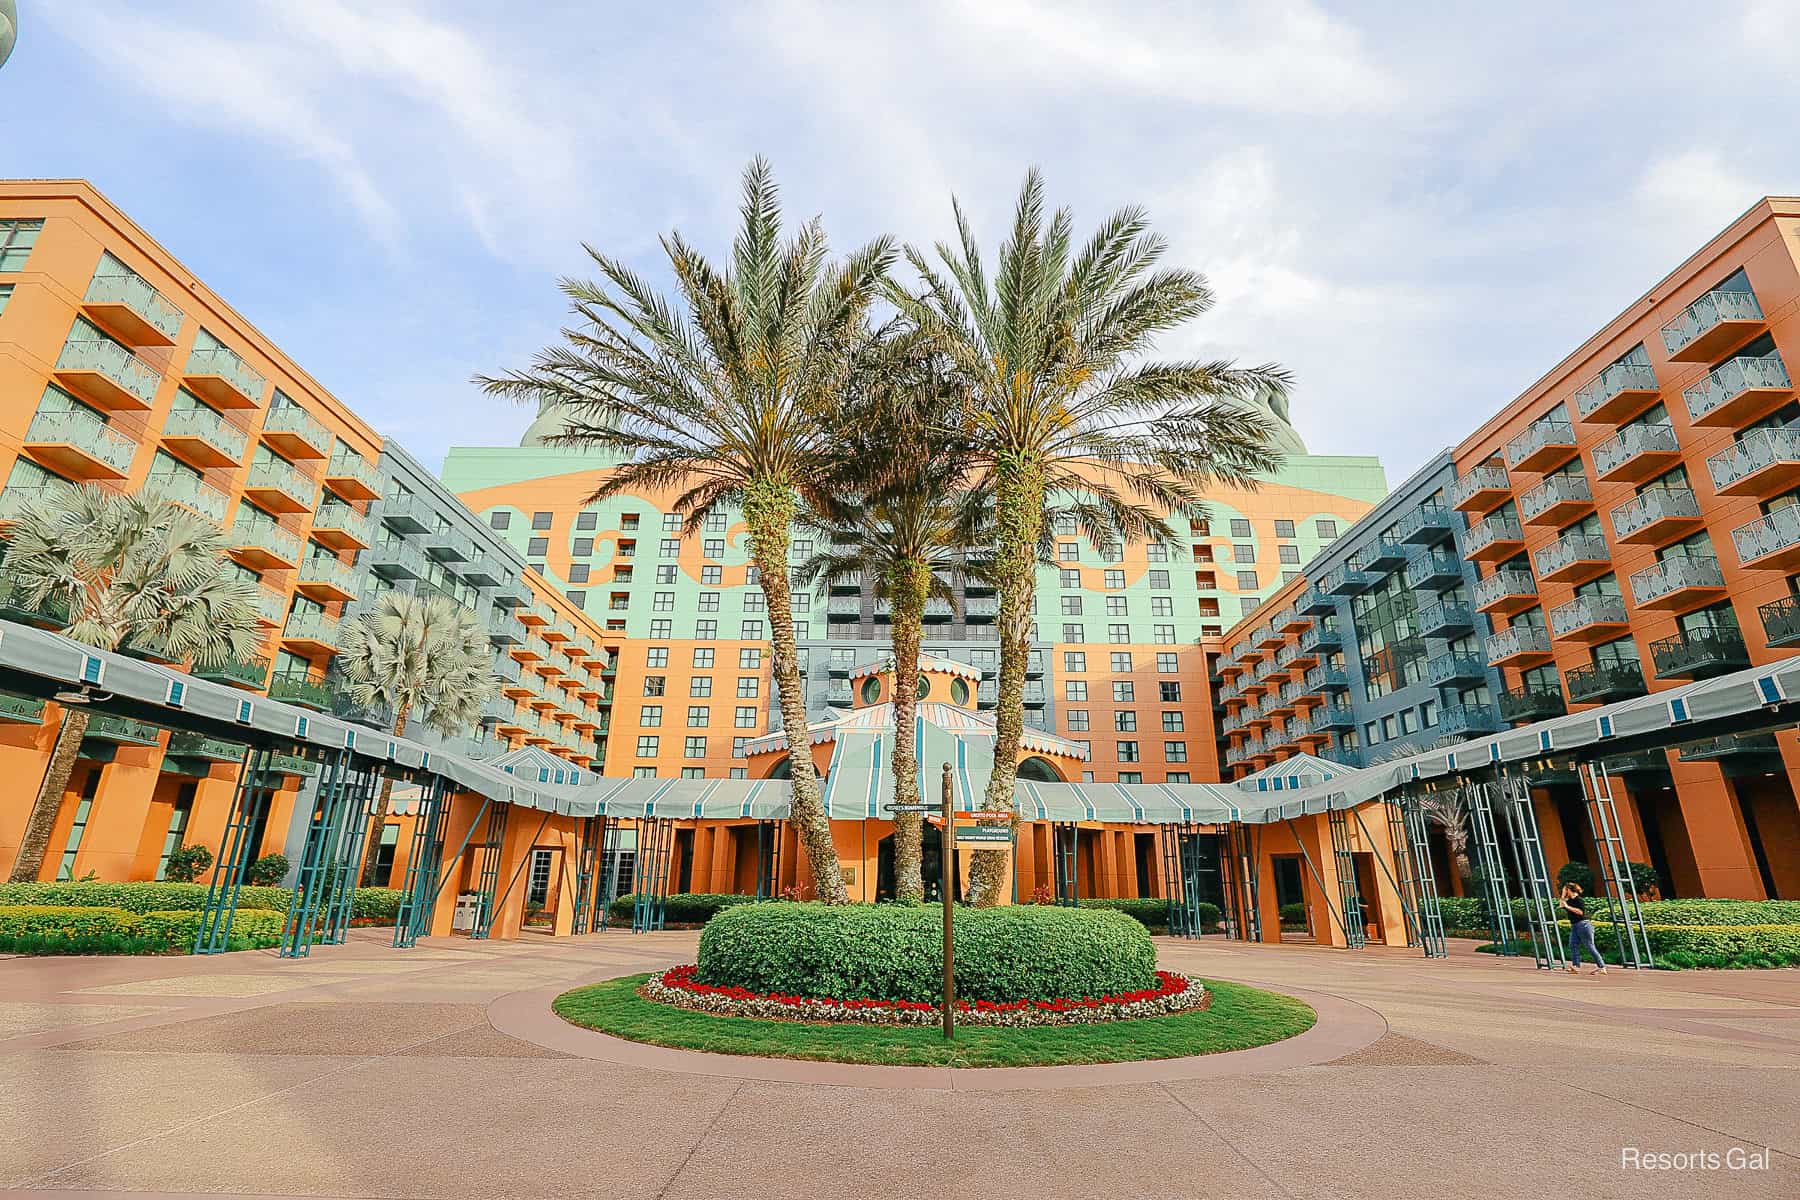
{"x": 9, "y": 29}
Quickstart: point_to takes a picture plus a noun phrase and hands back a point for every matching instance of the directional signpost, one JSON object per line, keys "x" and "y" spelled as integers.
{"x": 947, "y": 867}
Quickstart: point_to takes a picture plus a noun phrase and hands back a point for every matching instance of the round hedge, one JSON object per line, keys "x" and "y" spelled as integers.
{"x": 895, "y": 952}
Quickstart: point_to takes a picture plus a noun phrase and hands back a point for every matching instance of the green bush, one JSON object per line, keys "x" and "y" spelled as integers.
{"x": 1469, "y": 913}
{"x": 185, "y": 864}
{"x": 1293, "y": 914}
{"x": 895, "y": 952}
{"x": 267, "y": 870}
{"x": 1152, "y": 914}
{"x": 90, "y": 929}
{"x": 370, "y": 905}
{"x": 377, "y": 906}
{"x": 681, "y": 908}
{"x": 1577, "y": 873}
{"x": 250, "y": 927}
{"x": 1681, "y": 947}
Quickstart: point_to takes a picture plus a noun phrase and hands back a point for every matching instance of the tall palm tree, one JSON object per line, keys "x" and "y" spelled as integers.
{"x": 1449, "y": 811}
{"x": 728, "y": 392}
{"x": 133, "y": 570}
{"x": 1063, "y": 403}
{"x": 904, "y": 519}
{"x": 412, "y": 655}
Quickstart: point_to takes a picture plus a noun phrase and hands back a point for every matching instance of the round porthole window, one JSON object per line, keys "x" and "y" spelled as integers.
{"x": 924, "y": 687}
{"x": 871, "y": 690}
{"x": 959, "y": 691}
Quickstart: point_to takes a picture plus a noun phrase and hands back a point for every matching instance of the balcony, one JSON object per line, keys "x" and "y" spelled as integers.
{"x": 1455, "y": 670}
{"x": 1344, "y": 756}
{"x": 1293, "y": 620}
{"x": 1699, "y": 653}
{"x": 1602, "y": 683}
{"x": 1617, "y": 394}
{"x": 326, "y": 579}
{"x": 1317, "y": 602}
{"x": 1737, "y": 753}
{"x": 1446, "y": 620}
{"x": 194, "y": 745}
{"x": 1351, "y": 580}
{"x": 202, "y": 438}
{"x": 511, "y": 595}
{"x": 1781, "y": 622}
{"x": 296, "y": 433}
{"x": 261, "y": 544}
{"x": 557, "y": 632}
{"x": 352, "y": 477}
{"x": 1518, "y": 644}
{"x": 1572, "y": 558}
{"x": 1480, "y": 489}
{"x": 1766, "y": 463}
{"x": 124, "y": 731}
{"x": 1531, "y": 704}
{"x": 1636, "y": 453}
{"x": 1679, "y": 583}
{"x": 1712, "y": 323}
{"x": 1656, "y": 517}
{"x": 1493, "y": 539}
{"x": 190, "y": 492}
{"x": 223, "y": 378}
{"x": 1505, "y": 592}
{"x": 311, "y": 633}
{"x": 1770, "y": 543}
{"x": 980, "y": 608}
{"x": 482, "y": 570}
{"x": 79, "y": 445}
{"x": 1384, "y": 554}
{"x": 271, "y": 605}
{"x": 1334, "y": 717}
{"x": 843, "y": 606}
{"x": 1328, "y": 680}
{"x": 1426, "y": 525}
{"x": 1547, "y": 442}
{"x": 342, "y": 527}
{"x": 1740, "y": 391}
{"x": 1435, "y": 570}
{"x": 107, "y": 375}
{"x": 407, "y": 514}
{"x": 278, "y": 487}
{"x": 1467, "y": 720}
{"x": 236, "y": 673}
{"x": 1588, "y": 619}
{"x": 130, "y": 309}
{"x": 1321, "y": 638}
{"x": 300, "y": 690}
{"x": 392, "y": 558}
{"x": 1557, "y": 500}
{"x": 448, "y": 546}
{"x": 1269, "y": 636}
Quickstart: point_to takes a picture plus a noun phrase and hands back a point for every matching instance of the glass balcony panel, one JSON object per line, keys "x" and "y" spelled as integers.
{"x": 222, "y": 376}
{"x": 107, "y": 375}
{"x": 1656, "y": 516}
{"x": 1765, "y": 463}
{"x": 296, "y": 432}
{"x": 1617, "y": 393}
{"x": 1545, "y": 443}
{"x": 1718, "y": 314}
{"x": 1587, "y": 617}
{"x": 1480, "y": 488}
{"x": 81, "y": 445}
{"x": 1572, "y": 557}
{"x": 1636, "y": 453}
{"x": 1679, "y": 581}
{"x": 191, "y": 492}
{"x": 129, "y": 307}
{"x": 1771, "y": 542}
{"x": 203, "y": 438}
{"x": 1518, "y": 642}
{"x": 1739, "y": 391}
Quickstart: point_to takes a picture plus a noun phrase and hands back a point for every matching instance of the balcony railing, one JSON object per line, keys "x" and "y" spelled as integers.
{"x": 1492, "y": 531}
{"x": 1781, "y": 621}
{"x": 312, "y": 627}
{"x": 224, "y": 364}
{"x": 1620, "y": 379}
{"x": 318, "y": 570}
{"x": 1468, "y": 719}
{"x": 1772, "y": 541}
{"x": 1426, "y": 524}
{"x": 1343, "y": 756}
{"x": 298, "y": 689}
{"x": 128, "y": 290}
{"x": 1557, "y": 493}
{"x": 1603, "y": 682}
{"x": 1584, "y": 613}
{"x": 1446, "y": 669}
{"x": 1327, "y": 679}
{"x": 1503, "y": 584}
{"x": 1714, "y": 400}
{"x": 1774, "y": 450}
{"x": 276, "y": 475}
{"x": 1652, "y": 586}
{"x": 1568, "y": 552}
{"x": 1518, "y": 641}
{"x": 271, "y": 605}
{"x": 107, "y": 727}
{"x": 1531, "y": 704}
{"x": 1649, "y": 509}
{"x": 392, "y": 558}
{"x": 1436, "y": 569}
{"x": 350, "y": 474}
{"x": 295, "y": 429}
{"x": 1546, "y": 440}
{"x": 193, "y": 745}
{"x": 190, "y": 491}
{"x": 125, "y": 380}
{"x": 1634, "y": 445}
{"x": 1334, "y": 716}
{"x": 1709, "y": 312}
{"x": 1487, "y": 478}
{"x": 236, "y": 672}
{"x": 259, "y": 533}
{"x": 201, "y": 424}
{"x": 103, "y": 452}
{"x": 344, "y": 523}
{"x": 1322, "y": 636}
{"x": 1443, "y": 618}
{"x": 1699, "y": 653}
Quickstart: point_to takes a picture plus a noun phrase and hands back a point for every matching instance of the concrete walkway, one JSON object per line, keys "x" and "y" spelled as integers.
{"x": 365, "y": 1071}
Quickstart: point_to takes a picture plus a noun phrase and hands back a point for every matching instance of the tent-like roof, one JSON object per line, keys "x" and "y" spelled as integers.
{"x": 1302, "y": 770}
{"x": 927, "y": 662}
{"x": 963, "y": 722}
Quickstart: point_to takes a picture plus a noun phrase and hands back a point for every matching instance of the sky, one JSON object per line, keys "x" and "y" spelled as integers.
{"x": 1417, "y": 209}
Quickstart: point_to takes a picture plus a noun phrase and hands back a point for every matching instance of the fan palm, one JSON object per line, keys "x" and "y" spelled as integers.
{"x": 416, "y": 656}
{"x": 728, "y": 394}
{"x": 903, "y": 520}
{"x": 1063, "y": 403}
{"x": 122, "y": 570}
{"x": 1449, "y": 811}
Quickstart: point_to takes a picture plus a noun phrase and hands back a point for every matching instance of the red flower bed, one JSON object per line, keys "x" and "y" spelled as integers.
{"x": 1173, "y": 993}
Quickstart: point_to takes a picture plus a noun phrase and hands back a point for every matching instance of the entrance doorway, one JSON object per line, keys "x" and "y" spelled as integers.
{"x": 932, "y": 860}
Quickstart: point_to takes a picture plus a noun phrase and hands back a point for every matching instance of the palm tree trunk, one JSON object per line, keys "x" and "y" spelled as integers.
{"x": 769, "y": 513}
{"x": 48, "y": 805}
{"x": 379, "y": 822}
{"x": 908, "y": 585}
{"x": 1019, "y": 520}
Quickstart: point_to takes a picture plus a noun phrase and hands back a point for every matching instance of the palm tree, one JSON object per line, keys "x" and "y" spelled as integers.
{"x": 125, "y": 570}
{"x": 416, "y": 655}
{"x": 728, "y": 393}
{"x": 1449, "y": 811}
{"x": 903, "y": 519}
{"x": 1063, "y": 403}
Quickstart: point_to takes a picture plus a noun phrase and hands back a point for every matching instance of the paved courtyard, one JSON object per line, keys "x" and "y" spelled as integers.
{"x": 365, "y": 1071}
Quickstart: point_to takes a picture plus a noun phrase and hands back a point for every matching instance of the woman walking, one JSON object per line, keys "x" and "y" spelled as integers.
{"x": 1581, "y": 931}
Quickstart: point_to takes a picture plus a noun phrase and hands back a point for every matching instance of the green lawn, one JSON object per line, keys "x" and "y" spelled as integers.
{"x": 1239, "y": 1017}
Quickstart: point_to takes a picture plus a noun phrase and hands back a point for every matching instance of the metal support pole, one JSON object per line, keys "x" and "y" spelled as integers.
{"x": 612, "y": 848}
{"x": 524, "y": 860}
{"x": 235, "y": 852}
{"x": 1534, "y": 873}
{"x": 346, "y": 859}
{"x": 947, "y": 886}
{"x": 493, "y": 844}
{"x": 1431, "y": 916}
{"x": 1314, "y": 871}
{"x": 1493, "y": 872}
{"x": 585, "y": 854}
{"x": 1401, "y": 872}
{"x": 1065, "y": 846}
{"x": 1349, "y": 894}
{"x": 1406, "y": 909}
{"x": 420, "y": 889}
{"x": 1627, "y": 917}
{"x": 315, "y": 857}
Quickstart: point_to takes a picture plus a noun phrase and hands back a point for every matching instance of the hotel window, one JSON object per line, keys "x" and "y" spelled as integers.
{"x": 1130, "y": 776}
{"x": 1073, "y": 632}
{"x": 706, "y": 631}
{"x": 1162, "y": 606}
{"x": 656, "y": 656}
{"x": 1169, "y": 691}
{"x": 577, "y": 597}
{"x": 801, "y": 550}
{"x": 662, "y": 602}
{"x": 587, "y": 520}
{"x": 739, "y": 749}
{"x": 578, "y": 572}
{"x": 744, "y": 716}
{"x": 710, "y": 576}
{"x": 1074, "y": 661}
{"x": 1124, "y": 691}
{"x": 699, "y": 716}
{"x": 1069, "y": 577}
{"x": 499, "y": 519}
{"x": 1128, "y": 751}
{"x": 1159, "y": 580}
{"x": 1243, "y": 554}
{"x": 693, "y": 747}
{"x": 1065, "y": 523}
{"x": 1172, "y": 723}
{"x": 1071, "y": 606}
{"x": 659, "y": 628}
{"x": 713, "y": 548}
{"x": 693, "y": 772}
{"x": 1246, "y": 580}
{"x": 650, "y": 716}
{"x": 753, "y": 575}
{"x": 626, "y": 521}
{"x": 1284, "y": 529}
{"x": 1289, "y": 554}
{"x": 643, "y": 772}
{"x": 752, "y": 631}
{"x": 749, "y": 658}
{"x": 1118, "y": 634}
{"x": 1068, "y": 551}
{"x": 1125, "y": 721}
{"x": 671, "y": 522}
{"x": 665, "y": 574}
{"x": 541, "y": 520}
{"x": 1120, "y": 662}
{"x": 715, "y": 521}
{"x": 646, "y": 745}
{"x": 1166, "y": 662}
{"x": 749, "y": 686}
{"x": 1075, "y": 689}
{"x": 1289, "y": 576}
{"x": 1175, "y": 752}
{"x": 669, "y": 548}
{"x": 738, "y": 772}
{"x": 537, "y": 547}
{"x": 1116, "y": 606}
{"x": 583, "y": 547}
{"x": 1177, "y": 777}
{"x": 1115, "y": 579}
{"x": 1428, "y": 713}
{"x": 709, "y": 602}
{"x": 1240, "y": 528}
{"x": 1078, "y": 720}
{"x": 6, "y": 291}
{"x": 1327, "y": 529}
{"x": 655, "y": 685}
{"x": 755, "y": 601}
{"x": 1156, "y": 552}
{"x": 703, "y": 657}
{"x": 16, "y": 240}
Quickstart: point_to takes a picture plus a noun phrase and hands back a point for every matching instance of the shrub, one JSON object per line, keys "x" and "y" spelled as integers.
{"x": 1152, "y": 914}
{"x": 369, "y": 905}
{"x": 267, "y": 870}
{"x": 185, "y": 864}
{"x": 894, "y": 952}
{"x": 1293, "y": 914}
{"x": 377, "y": 906}
{"x": 92, "y": 929}
{"x": 251, "y": 928}
{"x": 1577, "y": 873}
{"x": 1469, "y": 913}
{"x": 682, "y": 908}
{"x": 1714, "y": 946}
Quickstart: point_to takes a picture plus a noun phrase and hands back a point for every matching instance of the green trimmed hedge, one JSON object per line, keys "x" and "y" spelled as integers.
{"x": 370, "y": 905}
{"x": 1152, "y": 914}
{"x": 93, "y": 929}
{"x": 1681, "y": 947}
{"x": 682, "y": 908}
{"x": 1469, "y": 913}
{"x": 895, "y": 952}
